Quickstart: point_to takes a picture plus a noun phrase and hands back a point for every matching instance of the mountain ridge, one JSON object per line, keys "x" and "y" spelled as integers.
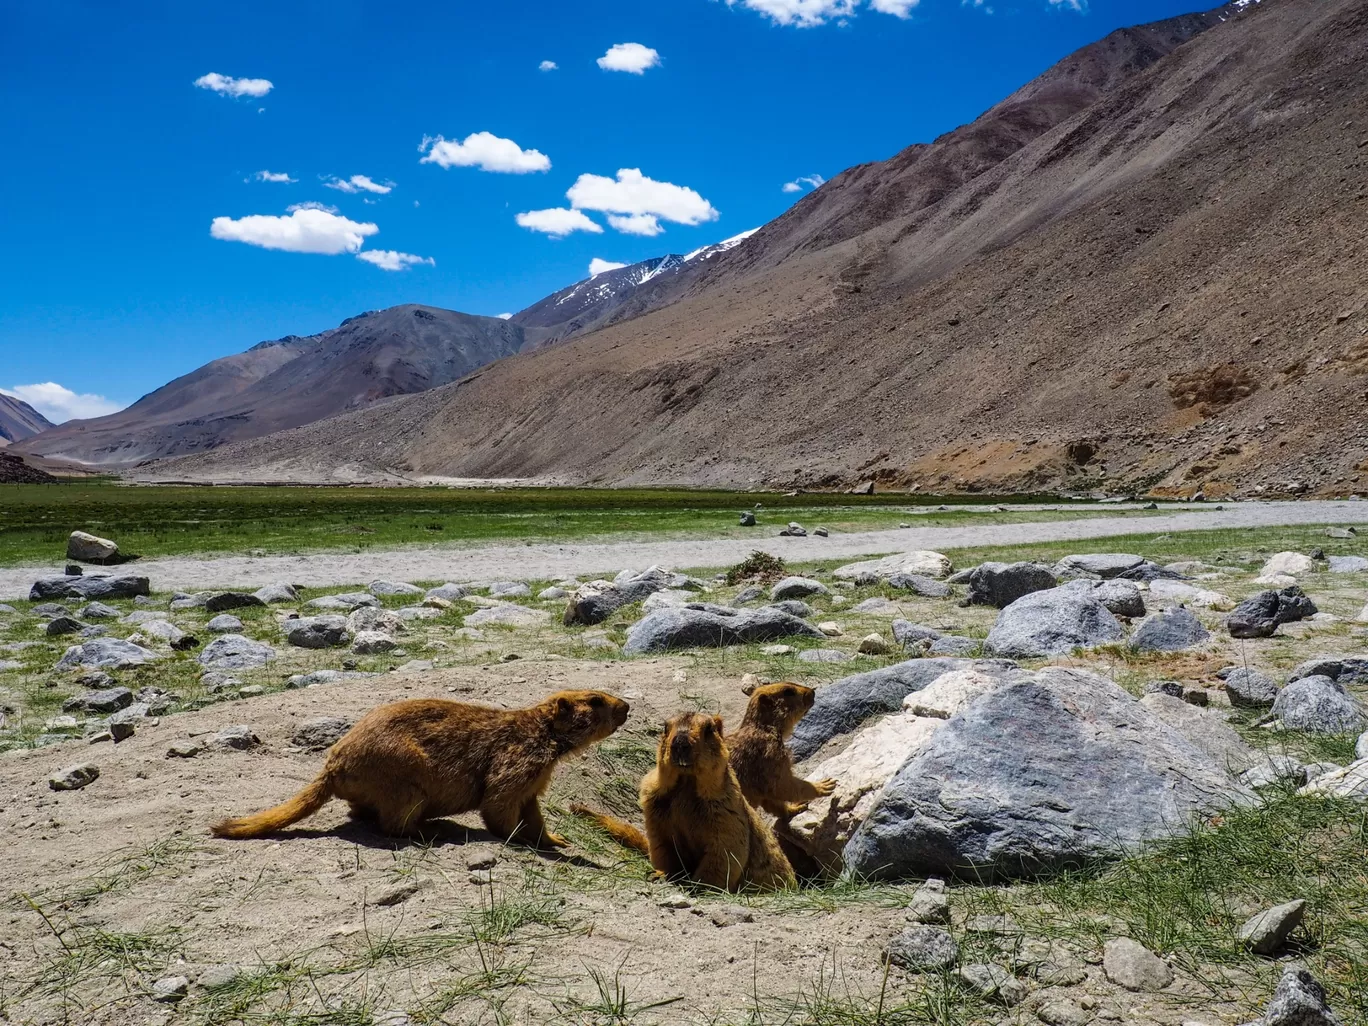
{"x": 19, "y": 420}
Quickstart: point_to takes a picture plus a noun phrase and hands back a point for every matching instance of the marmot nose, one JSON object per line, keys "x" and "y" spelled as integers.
{"x": 620, "y": 713}
{"x": 681, "y": 749}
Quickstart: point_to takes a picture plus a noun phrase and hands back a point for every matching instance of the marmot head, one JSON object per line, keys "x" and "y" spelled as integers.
{"x": 779, "y": 705}
{"x": 692, "y": 743}
{"x": 580, "y": 718}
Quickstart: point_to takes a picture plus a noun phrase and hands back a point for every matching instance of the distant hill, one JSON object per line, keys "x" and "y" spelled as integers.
{"x": 288, "y": 382}
{"x": 19, "y": 420}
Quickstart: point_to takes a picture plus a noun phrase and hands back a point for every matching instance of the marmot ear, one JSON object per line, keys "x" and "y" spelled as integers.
{"x": 565, "y": 708}
{"x": 717, "y": 722}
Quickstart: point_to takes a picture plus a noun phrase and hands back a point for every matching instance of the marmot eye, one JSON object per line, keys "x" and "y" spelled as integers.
{"x": 707, "y": 729}
{"x": 596, "y": 702}
{"x": 789, "y": 692}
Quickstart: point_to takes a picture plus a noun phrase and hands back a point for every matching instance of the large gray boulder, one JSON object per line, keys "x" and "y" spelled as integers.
{"x": 1102, "y": 565}
{"x": 1347, "y": 669}
{"x": 594, "y": 602}
{"x": 1260, "y": 615}
{"x": 278, "y": 591}
{"x": 1121, "y": 597}
{"x": 1001, "y": 584}
{"x": 919, "y": 584}
{"x": 89, "y": 548}
{"x": 234, "y": 652}
{"x": 317, "y": 631}
{"x": 221, "y": 602}
{"x": 90, "y": 586}
{"x": 1250, "y": 688}
{"x": 700, "y": 625}
{"x": 346, "y": 601}
{"x": 1052, "y": 622}
{"x": 1170, "y": 631}
{"x": 394, "y": 588}
{"x": 105, "y": 653}
{"x": 922, "y": 562}
{"x": 841, "y": 707}
{"x": 1057, "y": 769}
{"x": 1299, "y": 1000}
{"x": 1319, "y": 705}
{"x": 450, "y": 591}
{"x": 1207, "y": 729}
{"x": 1347, "y": 564}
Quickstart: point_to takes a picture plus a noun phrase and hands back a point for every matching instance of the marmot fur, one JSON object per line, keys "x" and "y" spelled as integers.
{"x": 698, "y": 824}
{"x": 760, "y": 758}
{"x": 413, "y": 761}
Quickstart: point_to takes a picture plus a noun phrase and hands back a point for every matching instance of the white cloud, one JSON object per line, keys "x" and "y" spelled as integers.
{"x": 59, "y": 404}
{"x": 546, "y": 66}
{"x": 636, "y": 224}
{"x": 227, "y": 85}
{"x": 558, "y": 221}
{"x": 632, "y": 193}
{"x": 274, "y": 176}
{"x": 357, "y": 183}
{"x": 389, "y": 260}
{"x": 310, "y": 205}
{"x": 807, "y": 13}
{"x": 797, "y": 184}
{"x": 309, "y": 228}
{"x": 504, "y": 316}
{"x": 897, "y": 8}
{"x": 484, "y": 150}
{"x": 1074, "y": 5}
{"x": 597, "y": 266}
{"x": 629, "y": 57}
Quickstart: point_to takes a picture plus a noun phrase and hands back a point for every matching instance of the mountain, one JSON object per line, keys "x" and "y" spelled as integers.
{"x": 616, "y": 295}
{"x": 19, "y": 420}
{"x": 1143, "y": 271}
{"x": 288, "y": 382}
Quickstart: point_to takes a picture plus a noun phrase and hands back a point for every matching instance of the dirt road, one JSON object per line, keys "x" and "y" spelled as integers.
{"x": 550, "y": 560}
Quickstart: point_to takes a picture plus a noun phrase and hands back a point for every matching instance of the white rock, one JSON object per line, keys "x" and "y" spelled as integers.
{"x": 830, "y": 628}
{"x": 1292, "y": 564}
{"x": 926, "y": 563}
{"x": 90, "y": 549}
{"x": 1188, "y": 595}
{"x": 1349, "y": 782}
{"x": 1276, "y": 581}
{"x": 948, "y": 694}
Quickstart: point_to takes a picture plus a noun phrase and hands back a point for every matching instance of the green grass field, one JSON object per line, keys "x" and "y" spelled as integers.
{"x": 161, "y": 521}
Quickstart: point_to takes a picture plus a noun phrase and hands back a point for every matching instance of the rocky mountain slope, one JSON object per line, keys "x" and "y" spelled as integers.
{"x": 288, "y": 382}
{"x": 1145, "y": 271}
{"x": 19, "y": 420}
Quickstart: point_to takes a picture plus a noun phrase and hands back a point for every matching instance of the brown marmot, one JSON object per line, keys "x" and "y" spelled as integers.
{"x": 698, "y": 824}
{"x": 760, "y": 758}
{"x": 413, "y": 761}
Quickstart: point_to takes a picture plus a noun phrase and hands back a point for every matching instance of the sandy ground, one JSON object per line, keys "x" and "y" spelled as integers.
{"x": 551, "y": 561}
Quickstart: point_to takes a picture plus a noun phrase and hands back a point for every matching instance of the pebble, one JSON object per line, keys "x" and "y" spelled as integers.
{"x": 1267, "y": 932}
{"x": 481, "y": 858}
{"x": 922, "y": 949}
{"x": 930, "y": 903}
{"x": 1060, "y": 1012}
{"x": 481, "y": 877}
{"x": 993, "y": 983}
{"x": 1133, "y": 966}
{"x": 239, "y": 737}
{"x": 251, "y": 691}
{"x": 219, "y": 976}
{"x": 830, "y": 628}
{"x": 171, "y": 989}
{"x": 183, "y": 750}
{"x": 121, "y": 730}
{"x": 730, "y": 915}
{"x": 777, "y": 650}
{"x": 397, "y": 894}
{"x": 73, "y": 778}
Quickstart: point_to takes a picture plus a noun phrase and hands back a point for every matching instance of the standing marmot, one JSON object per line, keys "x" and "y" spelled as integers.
{"x": 760, "y": 758}
{"x": 416, "y": 760}
{"x": 698, "y": 824}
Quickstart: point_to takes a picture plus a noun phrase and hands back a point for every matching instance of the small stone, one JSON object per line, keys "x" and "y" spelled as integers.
{"x": 73, "y": 778}
{"x": 1250, "y": 689}
{"x": 1060, "y": 1012}
{"x": 993, "y": 983}
{"x": 217, "y": 977}
{"x": 1299, "y": 1000}
{"x": 747, "y": 519}
{"x": 397, "y": 894}
{"x": 224, "y": 623}
{"x": 121, "y": 730}
{"x": 1164, "y": 687}
{"x": 874, "y": 644}
{"x": 823, "y": 655}
{"x": 1135, "y": 967}
{"x": 481, "y": 858}
{"x": 1267, "y": 932}
{"x": 1051, "y": 974}
{"x": 373, "y": 643}
{"x": 239, "y": 737}
{"x": 821, "y": 532}
{"x": 63, "y": 625}
{"x": 318, "y": 734}
{"x": 922, "y": 949}
{"x": 777, "y": 650}
{"x": 678, "y": 901}
{"x": 171, "y": 989}
{"x": 730, "y": 915}
{"x": 930, "y": 904}
{"x": 183, "y": 750}
{"x": 251, "y": 691}
{"x": 830, "y": 628}
{"x": 998, "y": 926}
{"x": 481, "y": 877}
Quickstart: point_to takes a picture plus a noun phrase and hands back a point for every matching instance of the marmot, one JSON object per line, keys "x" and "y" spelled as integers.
{"x": 413, "y": 761}
{"x": 760, "y": 758}
{"x": 698, "y": 824}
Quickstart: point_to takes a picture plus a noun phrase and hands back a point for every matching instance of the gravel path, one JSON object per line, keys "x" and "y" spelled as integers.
{"x": 525, "y": 562}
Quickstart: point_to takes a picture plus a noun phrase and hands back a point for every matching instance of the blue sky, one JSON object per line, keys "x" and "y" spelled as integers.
{"x": 139, "y": 229}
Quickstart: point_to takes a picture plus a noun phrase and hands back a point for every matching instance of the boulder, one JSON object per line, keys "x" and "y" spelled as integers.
{"x": 913, "y": 635}
{"x": 92, "y": 586}
{"x": 164, "y": 630}
{"x": 843, "y": 706}
{"x": 551, "y": 594}
{"x": 1349, "y": 782}
{"x": 919, "y": 584}
{"x": 507, "y": 614}
{"x": 797, "y": 588}
{"x": 275, "y": 593}
{"x": 449, "y": 591}
{"x": 949, "y": 645}
{"x": 794, "y": 530}
{"x": 1287, "y": 564}
{"x": 1347, "y": 669}
{"x": 1347, "y": 564}
{"x": 594, "y": 602}
{"x": 1260, "y": 615}
{"x": 105, "y": 653}
{"x": 701, "y": 625}
{"x": 747, "y": 519}
{"x": 317, "y": 734}
{"x": 874, "y": 644}
{"x": 317, "y": 632}
{"x": 381, "y": 588}
{"x": 922, "y": 949}
{"x": 1205, "y": 728}
{"x": 348, "y": 601}
{"x": 224, "y": 623}
{"x": 1055, "y": 769}
{"x": 1172, "y": 630}
{"x": 60, "y": 625}
{"x": 1121, "y": 597}
{"x": 234, "y": 652}
{"x": 1101, "y": 565}
{"x": 1052, "y": 622}
{"x": 369, "y": 618}
{"x": 750, "y": 593}
{"x": 509, "y": 589}
{"x": 90, "y": 549}
{"x": 97, "y": 611}
{"x": 1299, "y": 1000}
{"x": 1001, "y": 584}
{"x": 373, "y": 643}
{"x": 73, "y": 778}
{"x": 106, "y": 700}
{"x": 1250, "y": 689}
{"x": 1319, "y": 705}
{"x": 794, "y": 607}
{"x": 1133, "y": 966}
{"x": 1179, "y": 593}
{"x": 222, "y": 601}
{"x": 922, "y": 563}
{"x": 1266, "y": 932}
{"x": 1148, "y": 572}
